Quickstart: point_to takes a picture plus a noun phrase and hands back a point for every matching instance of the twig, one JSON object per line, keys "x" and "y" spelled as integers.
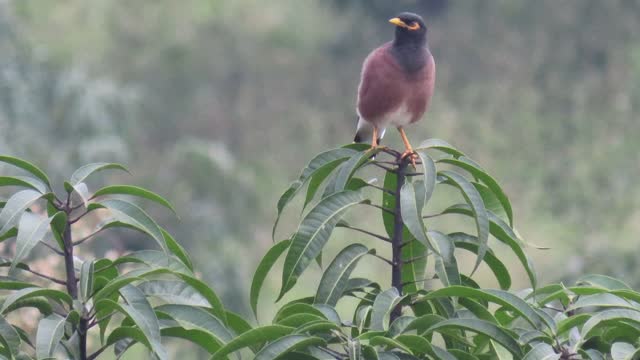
{"x": 381, "y": 208}
{"x": 98, "y": 352}
{"x": 86, "y": 237}
{"x": 432, "y": 216}
{"x": 57, "y": 281}
{"x": 338, "y": 355}
{"x": 78, "y": 218}
{"x": 367, "y": 232}
{"x": 382, "y": 166}
{"x": 383, "y": 259}
{"x": 416, "y": 258}
{"x": 381, "y": 189}
{"x": 52, "y": 248}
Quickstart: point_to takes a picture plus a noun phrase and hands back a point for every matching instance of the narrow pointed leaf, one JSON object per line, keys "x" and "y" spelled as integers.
{"x": 86, "y": 280}
{"x": 133, "y": 191}
{"x": 313, "y": 233}
{"x": 349, "y": 167}
{"x": 287, "y": 344}
{"x": 31, "y": 292}
{"x": 441, "y": 145}
{"x": 29, "y": 167}
{"x": 336, "y": 276}
{"x": 263, "y": 270}
{"x": 252, "y": 337}
{"x": 446, "y": 264}
{"x": 23, "y": 181}
{"x": 430, "y": 174}
{"x": 384, "y": 303}
{"x": 50, "y": 332}
{"x": 31, "y": 229}
{"x": 15, "y": 206}
{"x": 133, "y": 215}
{"x": 9, "y": 338}
{"x": 481, "y": 327}
{"x": 142, "y": 314}
{"x": 314, "y": 165}
{"x": 412, "y": 218}
{"x": 173, "y": 292}
{"x": 177, "y": 249}
{"x": 194, "y": 318}
{"x": 473, "y": 198}
{"x": 83, "y": 172}
{"x": 470, "y": 243}
{"x": 488, "y": 180}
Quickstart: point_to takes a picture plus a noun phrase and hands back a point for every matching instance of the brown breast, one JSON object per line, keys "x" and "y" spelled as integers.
{"x": 385, "y": 86}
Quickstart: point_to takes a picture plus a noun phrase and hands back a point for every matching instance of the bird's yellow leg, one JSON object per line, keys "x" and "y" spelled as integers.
{"x": 374, "y": 141}
{"x": 408, "y": 149}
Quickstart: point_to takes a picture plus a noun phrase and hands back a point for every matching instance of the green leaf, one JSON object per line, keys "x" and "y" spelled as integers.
{"x": 571, "y": 322}
{"x": 473, "y": 198}
{"x": 503, "y": 298}
{"x": 481, "y": 327}
{"x": 15, "y": 207}
{"x": 198, "y": 337}
{"x": 9, "y": 337}
{"x": 133, "y": 191}
{"x": 32, "y": 292}
{"x": 349, "y": 167}
{"x": 50, "y": 332}
{"x": 389, "y": 344}
{"x": 29, "y": 167}
{"x": 501, "y": 231}
{"x": 177, "y": 249}
{"x": 193, "y": 318}
{"x": 470, "y": 243}
{"x": 384, "y": 303}
{"x": 319, "y": 176}
{"x": 603, "y": 281}
{"x": 491, "y": 183}
{"x": 287, "y": 344}
{"x": 133, "y": 215}
{"x": 439, "y": 145}
{"x": 414, "y": 263}
{"x": 604, "y": 301}
{"x": 313, "y": 233}
{"x": 263, "y": 269}
{"x": 83, "y": 172}
{"x": 604, "y": 318}
{"x": 542, "y": 351}
{"x": 174, "y": 292}
{"x": 624, "y": 351}
{"x": 86, "y": 280}
{"x": 142, "y": 314}
{"x": 336, "y": 276}
{"x": 81, "y": 189}
{"x": 314, "y": 165}
{"x": 25, "y": 182}
{"x": 31, "y": 229}
{"x": 252, "y": 337}
{"x": 412, "y": 218}
{"x": 216, "y": 306}
{"x": 430, "y": 175}
{"x": 127, "y": 332}
{"x": 446, "y": 265}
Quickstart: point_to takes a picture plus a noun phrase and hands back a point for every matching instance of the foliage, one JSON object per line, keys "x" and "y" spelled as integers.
{"x": 140, "y": 297}
{"x": 429, "y": 312}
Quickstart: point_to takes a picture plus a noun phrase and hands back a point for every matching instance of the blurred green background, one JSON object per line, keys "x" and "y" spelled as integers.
{"x": 218, "y": 104}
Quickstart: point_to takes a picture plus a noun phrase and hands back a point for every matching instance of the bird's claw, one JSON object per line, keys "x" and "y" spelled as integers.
{"x": 412, "y": 155}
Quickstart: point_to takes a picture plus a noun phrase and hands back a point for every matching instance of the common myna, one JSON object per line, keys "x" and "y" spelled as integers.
{"x": 396, "y": 83}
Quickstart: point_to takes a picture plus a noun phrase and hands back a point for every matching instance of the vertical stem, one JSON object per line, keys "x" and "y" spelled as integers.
{"x": 396, "y": 240}
{"x": 72, "y": 285}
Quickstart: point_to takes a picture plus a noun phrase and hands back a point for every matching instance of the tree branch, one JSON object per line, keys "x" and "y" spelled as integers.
{"x": 76, "y": 243}
{"x": 391, "y": 212}
{"x": 50, "y": 278}
{"x": 381, "y": 189}
{"x": 366, "y": 232}
{"x": 52, "y": 248}
{"x": 383, "y": 259}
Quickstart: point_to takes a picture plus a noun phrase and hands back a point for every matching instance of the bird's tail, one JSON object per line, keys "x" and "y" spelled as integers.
{"x": 364, "y": 132}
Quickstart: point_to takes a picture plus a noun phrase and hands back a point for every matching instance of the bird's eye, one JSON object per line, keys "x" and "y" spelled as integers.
{"x": 414, "y": 26}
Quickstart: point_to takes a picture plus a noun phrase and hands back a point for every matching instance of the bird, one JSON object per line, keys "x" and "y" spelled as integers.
{"x": 396, "y": 83}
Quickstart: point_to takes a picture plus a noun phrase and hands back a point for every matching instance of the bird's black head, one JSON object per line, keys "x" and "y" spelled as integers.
{"x": 410, "y": 29}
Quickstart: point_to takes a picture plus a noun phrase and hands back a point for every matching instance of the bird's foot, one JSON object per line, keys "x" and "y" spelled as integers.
{"x": 412, "y": 155}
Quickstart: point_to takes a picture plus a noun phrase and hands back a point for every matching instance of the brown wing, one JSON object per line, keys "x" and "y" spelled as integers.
{"x": 380, "y": 90}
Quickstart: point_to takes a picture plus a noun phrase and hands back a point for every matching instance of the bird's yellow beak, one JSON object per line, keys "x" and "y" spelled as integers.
{"x": 397, "y": 22}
